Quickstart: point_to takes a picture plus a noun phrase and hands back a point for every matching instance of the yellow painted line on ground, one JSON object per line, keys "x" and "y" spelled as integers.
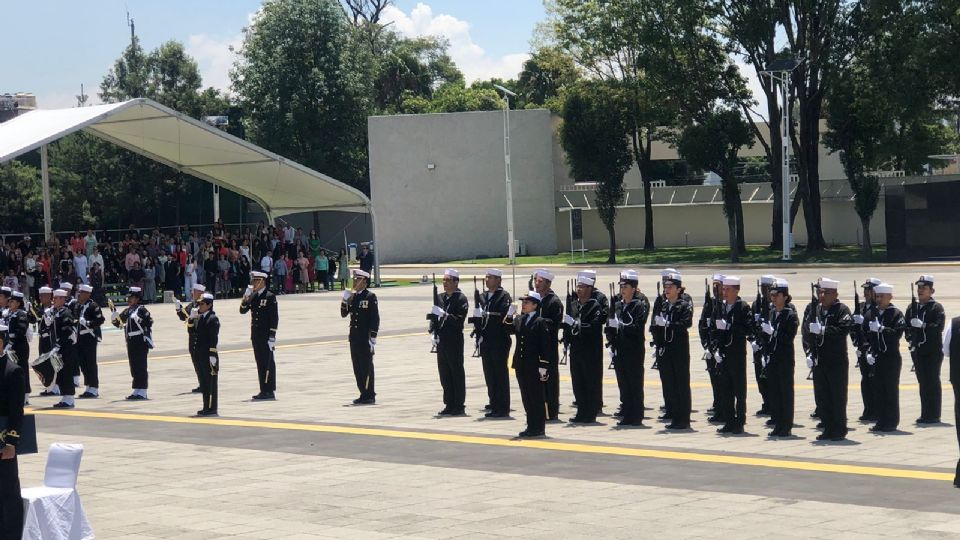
{"x": 770, "y": 463}
{"x": 289, "y": 346}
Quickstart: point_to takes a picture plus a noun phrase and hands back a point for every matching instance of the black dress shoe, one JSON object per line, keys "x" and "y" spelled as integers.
{"x": 711, "y": 410}
{"x": 47, "y": 393}
{"x": 492, "y": 414}
{"x": 771, "y": 422}
{"x": 867, "y": 418}
{"x": 368, "y": 401}
{"x": 774, "y": 433}
{"x": 737, "y": 430}
{"x": 823, "y": 437}
{"x": 727, "y": 428}
{"x": 487, "y": 407}
{"x": 444, "y": 412}
{"x": 207, "y": 412}
{"x": 458, "y": 412}
{"x": 678, "y": 426}
{"x": 264, "y": 396}
{"x": 837, "y": 437}
{"x": 762, "y": 412}
{"x": 357, "y": 401}
{"x": 526, "y": 434}
{"x": 62, "y": 405}
{"x": 715, "y": 419}
{"x": 196, "y": 390}
{"x": 134, "y": 397}
{"x": 665, "y": 417}
{"x": 618, "y": 414}
{"x": 814, "y": 414}
{"x": 87, "y": 395}
{"x": 819, "y": 425}
{"x": 629, "y": 422}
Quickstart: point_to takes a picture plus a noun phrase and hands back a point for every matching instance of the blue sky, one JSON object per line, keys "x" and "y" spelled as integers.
{"x": 60, "y": 44}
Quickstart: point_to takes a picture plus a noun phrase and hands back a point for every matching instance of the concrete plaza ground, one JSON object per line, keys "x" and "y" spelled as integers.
{"x": 310, "y": 465}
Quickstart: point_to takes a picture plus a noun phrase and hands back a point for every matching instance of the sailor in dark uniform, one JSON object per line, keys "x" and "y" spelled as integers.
{"x": 885, "y": 331}
{"x": 550, "y": 309}
{"x": 360, "y": 304}
{"x": 448, "y": 318}
{"x": 63, "y": 338}
{"x": 89, "y": 320}
{"x": 494, "y": 341}
{"x": 733, "y": 326}
{"x": 264, "y": 319}
{"x": 11, "y": 407}
{"x": 18, "y": 337}
{"x": 188, "y": 314}
{"x": 585, "y": 335}
{"x": 137, "y": 327}
{"x": 205, "y": 336}
{"x": 530, "y": 361}
{"x": 951, "y": 349}
{"x": 926, "y": 319}
{"x": 43, "y": 343}
{"x": 626, "y": 334}
{"x": 779, "y": 329}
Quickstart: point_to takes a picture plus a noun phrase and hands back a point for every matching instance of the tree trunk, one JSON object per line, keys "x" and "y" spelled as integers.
{"x": 867, "y": 249}
{"x": 640, "y": 153}
{"x": 810, "y": 134}
{"x": 741, "y": 236}
{"x": 776, "y": 174}
{"x": 732, "y": 234}
{"x": 611, "y": 231}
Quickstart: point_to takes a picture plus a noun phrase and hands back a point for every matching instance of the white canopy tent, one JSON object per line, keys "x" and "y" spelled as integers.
{"x": 279, "y": 185}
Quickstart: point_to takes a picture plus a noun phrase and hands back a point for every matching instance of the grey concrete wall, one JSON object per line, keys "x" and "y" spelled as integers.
{"x": 705, "y": 225}
{"x": 458, "y": 209}
{"x": 331, "y": 225}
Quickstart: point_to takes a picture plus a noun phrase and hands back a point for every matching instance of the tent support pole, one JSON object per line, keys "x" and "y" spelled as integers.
{"x": 376, "y": 246}
{"x": 45, "y": 179}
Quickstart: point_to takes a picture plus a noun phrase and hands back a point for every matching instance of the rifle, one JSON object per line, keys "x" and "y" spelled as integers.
{"x": 915, "y": 309}
{"x": 856, "y": 311}
{"x": 814, "y": 347}
{"x": 569, "y": 311}
{"x": 434, "y": 323}
{"x": 611, "y": 315}
{"x": 657, "y": 342}
{"x": 477, "y": 322}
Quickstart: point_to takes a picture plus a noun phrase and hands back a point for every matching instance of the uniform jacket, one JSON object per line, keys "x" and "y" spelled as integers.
{"x": 928, "y": 339}
{"x": 886, "y": 343}
{"x": 779, "y": 346}
{"x": 264, "y": 315}
{"x": 733, "y": 341}
{"x": 364, "y": 315}
{"x": 627, "y": 340}
{"x": 551, "y": 310}
{"x": 533, "y": 342}
{"x": 91, "y": 314}
{"x": 11, "y": 399}
{"x": 586, "y": 334}
{"x": 205, "y": 336}
{"x": 456, "y": 306}
{"x": 831, "y": 346}
{"x": 493, "y": 331}
{"x": 137, "y": 325}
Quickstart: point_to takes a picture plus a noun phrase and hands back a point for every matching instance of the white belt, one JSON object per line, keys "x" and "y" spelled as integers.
{"x": 134, "y": 334}
{"x": 86, "y": 332}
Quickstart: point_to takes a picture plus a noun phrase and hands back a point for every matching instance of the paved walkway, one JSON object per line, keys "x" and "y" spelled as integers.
{"x": 312, "y": 465}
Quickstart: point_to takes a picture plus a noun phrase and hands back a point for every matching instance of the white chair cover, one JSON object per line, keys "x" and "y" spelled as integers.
{"x": 53, "y": 511}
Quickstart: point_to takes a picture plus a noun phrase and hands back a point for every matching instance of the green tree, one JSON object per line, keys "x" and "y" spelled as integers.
{"x": 454, "y": 97}
{"x": 594, "y": 137}
{"x": 304, "y": 84}
{"x": 20, "y": 188}
{"x": 713, "y": 145}
{"x": 411, "y": 67}
{"x": 544, "y": 75}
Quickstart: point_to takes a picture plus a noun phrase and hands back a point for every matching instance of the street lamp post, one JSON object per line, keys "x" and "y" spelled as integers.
{"x": 779, "y": 72}
{"x": 511, "y": 246}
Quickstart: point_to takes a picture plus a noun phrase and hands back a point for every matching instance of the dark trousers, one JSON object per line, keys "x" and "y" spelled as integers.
{"x": 266, "y": 366}
{"x": 23, "y": 360}
{"x": 733, "y": 384}
{"x": 667, "y": 385}
{"x": 362, "y": 360}
{"x": 677, "y": 366}
{"x": 956, "y": 423}
{"x": 65, "y": 375}
{"x": 762, "y": 384}
{"x": 888, "y": 389}
{"x": 11, "y": 505}
{"x": 586, "y": 373}
{"x": 87, "y": 354}
{"x": 452, "y": 377}
{"x": 928, "y": 377}
{"x": 868, "y": 390}
{"x": 629, "y": 368}
{"x": 780, "y": 392}
{"x": 531, "y": 393}
{"x": 714, "y": 385}
{"x": 196, "y": 369}
{"x": 551, "y": 389}
{"x": 137, "y": 356}
{"x": 830, "y": 378}
{"x": 496, "y": 373}
{"x": 208, "y": 385}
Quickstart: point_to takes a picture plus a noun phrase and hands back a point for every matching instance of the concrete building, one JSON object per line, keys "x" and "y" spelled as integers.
{"x": 13, "y": 105}
{"x": 437, "y": 185}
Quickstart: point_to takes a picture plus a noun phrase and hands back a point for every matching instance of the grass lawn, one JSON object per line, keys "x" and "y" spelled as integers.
{"x": 695, "y": 255}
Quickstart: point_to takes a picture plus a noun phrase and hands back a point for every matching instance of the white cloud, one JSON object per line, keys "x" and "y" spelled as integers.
{"x": 470, "y": 57}
{"x": 214, "y": 57}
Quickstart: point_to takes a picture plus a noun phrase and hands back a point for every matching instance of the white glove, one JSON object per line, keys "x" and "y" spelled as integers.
{"x": 435, "y": 340}
{"x": 56, "y": 350}
{"x": 73, "y": 337}
{"x": 916, "y": 323}
{"x": 477, "y": 313}
{"x": 809, "y": 362}
{"x": 659, "y": 320}
{"x": 135, "y": 318}
{"x": 755, "y": 346}
{"x": 438, "y": 311}
{"x": 346, "y": 295}
{"x": 48, "y": 319}
{"x": 113, "y": 315}
{"x": 875, "y": 326}
{"x": 29, "y": 333}
{"x": 543, "y": 374}
{"x": 614, "y": 323}
{"x": 194, "y": 313}
{"x": 764, "y": 361}
{"x": 179, "y": 305}
{"x": 512, "y": 310}
{"x": 373, "y": 343}
{"x": 611, "y": 353}
{"x": 816, "y": 328}
{"x": 213, "y": 361}
{"x": 84, "y": 323}
{"x": 722, "y": 324}
{"x": 871, "y": 359}
{"x": 858, "y": 319}
{"x": 248, "y": 291}
{"x": 707, "y": 355}
{"x": 272, "y": 343}
{"x": 719, "y": 358}
{"x": 767, "y": 328}
{"x": 568, "y": 320}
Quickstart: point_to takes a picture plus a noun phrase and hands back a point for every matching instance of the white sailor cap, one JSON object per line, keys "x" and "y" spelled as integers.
{"x": 59, "y": 293}
{"x": 44, "y": 290}
{"x": 925, "y": 280}
{"x": 590, "y": 273}
{"x": 544, "y": 274}
{"x": 533, "y": 296}
{"x": 85, "y": 288}
{"x": 667, "y": 271}
{"x": 18, "y": 295}
{"x": 257, "y": 275}
{"x": 6, "y": 290}
{"x": 828, "y": 284}
{"x": 495, "y": 272}
{"x": 66, "y": 285}
{"x": 201, "y": 287}
{"x": 629, "y": 275}
{"x": 718, "y": 278}
{"x": 135, "y": 291}
{"x": 674, "y": 278}
{"x": 780, "y": 285}
{"x": 883, "y": 288}
{"x": 361, "y": 273}
{"x": 207, "y": 297}
{"x": 768, "y": 279}
{"x": 733, "y": 281}
{"x": 3, "y": 327}
{"x": 584, "y": 280}
{"x": 871, "y": 283}
{"x": 450, "y": 272}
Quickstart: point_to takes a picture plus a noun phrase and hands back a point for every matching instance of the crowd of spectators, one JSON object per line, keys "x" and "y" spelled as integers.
{"x": 156, "y": 261}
